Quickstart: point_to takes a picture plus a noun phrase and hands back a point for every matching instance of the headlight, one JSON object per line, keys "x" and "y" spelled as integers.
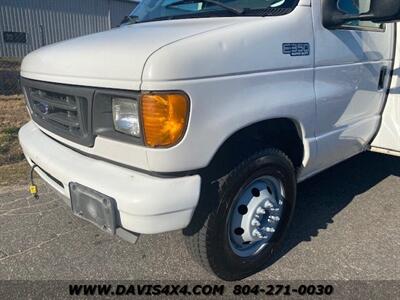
{"x": 164, "y": 117}
{"x": 126, "y": 116}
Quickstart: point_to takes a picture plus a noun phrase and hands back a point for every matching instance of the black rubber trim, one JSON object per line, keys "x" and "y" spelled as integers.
{"x": 152, "y": 173}
{"x": 287, "y": 8}
{"x": 362, "y": 28}
{"x": 49, "y": 175}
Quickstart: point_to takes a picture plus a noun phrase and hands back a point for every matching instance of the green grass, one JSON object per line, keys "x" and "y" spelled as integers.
{"x": 8, "y": 144}
{"x": 13, "y": 115}
{"x": 11, "y": 131}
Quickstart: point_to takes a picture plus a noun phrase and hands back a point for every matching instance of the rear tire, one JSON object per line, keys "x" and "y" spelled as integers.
{"x": 214, "y": 244}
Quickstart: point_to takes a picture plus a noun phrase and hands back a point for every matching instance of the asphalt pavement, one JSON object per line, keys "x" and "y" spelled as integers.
{"x": 346, "y": 227}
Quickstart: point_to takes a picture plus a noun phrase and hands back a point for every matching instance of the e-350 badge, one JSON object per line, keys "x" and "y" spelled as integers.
{"x": 296, "y": 49}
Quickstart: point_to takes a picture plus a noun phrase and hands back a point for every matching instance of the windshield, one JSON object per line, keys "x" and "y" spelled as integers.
{"x": 152, "y": 10}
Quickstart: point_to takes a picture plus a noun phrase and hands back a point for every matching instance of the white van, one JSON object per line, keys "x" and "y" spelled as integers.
{"x": 204, "y": 115}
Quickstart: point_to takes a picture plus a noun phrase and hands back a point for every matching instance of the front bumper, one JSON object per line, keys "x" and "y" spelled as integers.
{"x": 145, "y": 204}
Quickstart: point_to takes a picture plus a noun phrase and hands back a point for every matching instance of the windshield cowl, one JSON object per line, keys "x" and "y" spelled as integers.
{"x": 157, "y": 10}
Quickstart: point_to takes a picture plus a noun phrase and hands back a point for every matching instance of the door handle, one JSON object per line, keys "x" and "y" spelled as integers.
{"x": 382, "y": 78}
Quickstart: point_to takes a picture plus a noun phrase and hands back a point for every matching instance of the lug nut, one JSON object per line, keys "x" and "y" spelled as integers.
{"x": 268, "y": 204}
{"x": 255, "y": 222}
{"x": 269, "y": 229}
{"x": 257, "y": 233}
{"x": 260, "y": 211}
{"x": 274, "y": 219}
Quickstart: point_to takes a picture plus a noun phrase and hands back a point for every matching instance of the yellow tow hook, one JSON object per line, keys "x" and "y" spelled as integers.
{"x": 33, "y": 187}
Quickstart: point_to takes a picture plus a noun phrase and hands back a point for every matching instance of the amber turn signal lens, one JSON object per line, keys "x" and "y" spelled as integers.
{"x": 164, "y": 118}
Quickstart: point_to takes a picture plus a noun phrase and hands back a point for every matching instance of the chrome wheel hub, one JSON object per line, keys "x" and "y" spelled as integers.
{"x": 256, "y": 215}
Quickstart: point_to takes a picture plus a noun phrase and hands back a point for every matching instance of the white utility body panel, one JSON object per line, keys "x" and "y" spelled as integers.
{"x": 388, "y": 138}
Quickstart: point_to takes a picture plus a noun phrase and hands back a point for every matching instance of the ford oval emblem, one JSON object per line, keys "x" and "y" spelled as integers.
{"x": 43, "y": 108}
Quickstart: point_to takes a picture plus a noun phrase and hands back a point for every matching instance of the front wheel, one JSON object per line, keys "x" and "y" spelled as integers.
{"x": 256, "y": 204}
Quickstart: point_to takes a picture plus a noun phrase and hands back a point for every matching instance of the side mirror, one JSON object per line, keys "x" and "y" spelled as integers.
{"x": 385, "y": 11}
{"x": 124, "y": 21}
{"x": 381, "y": 11}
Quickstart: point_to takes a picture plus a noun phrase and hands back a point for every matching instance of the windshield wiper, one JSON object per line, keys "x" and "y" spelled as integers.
{"x": 128, "y": 20}
{"x": 237, "y": 11}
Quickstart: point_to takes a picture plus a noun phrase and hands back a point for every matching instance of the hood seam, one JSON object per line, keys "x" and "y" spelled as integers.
{"x": 173, "y": 42}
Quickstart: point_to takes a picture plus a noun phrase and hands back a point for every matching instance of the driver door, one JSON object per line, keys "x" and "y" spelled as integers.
{"x": 352, "y": 65}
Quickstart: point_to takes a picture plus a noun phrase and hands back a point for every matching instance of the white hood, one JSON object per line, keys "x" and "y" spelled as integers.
{"x": 112, "y": 59}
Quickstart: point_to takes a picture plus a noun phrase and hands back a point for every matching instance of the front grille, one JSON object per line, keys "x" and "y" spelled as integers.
{"x": 76, "y": 113}
{"x": 61, "y": 109}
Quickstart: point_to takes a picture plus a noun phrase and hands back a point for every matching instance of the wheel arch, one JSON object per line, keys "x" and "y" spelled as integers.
{"x": 285, "y": 134}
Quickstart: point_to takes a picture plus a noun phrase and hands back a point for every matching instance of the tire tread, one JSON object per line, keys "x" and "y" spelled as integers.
{"x": 197, "y": 244}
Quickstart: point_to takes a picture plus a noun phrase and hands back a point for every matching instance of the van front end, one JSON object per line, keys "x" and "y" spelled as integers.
{"x": 141, "y": 203}
{"x": 203, "y": 128}
{"x": 59, "y": 143}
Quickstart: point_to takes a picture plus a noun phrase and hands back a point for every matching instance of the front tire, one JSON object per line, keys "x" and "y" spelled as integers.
{"x": 255, "y": 206}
